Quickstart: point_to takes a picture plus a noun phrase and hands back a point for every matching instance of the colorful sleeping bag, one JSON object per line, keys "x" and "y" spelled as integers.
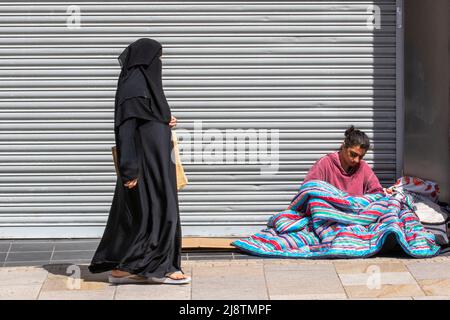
{"x": 325, "y": 222}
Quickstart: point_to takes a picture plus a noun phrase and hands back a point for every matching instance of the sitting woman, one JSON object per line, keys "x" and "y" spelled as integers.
{"x": 321, "y": 222}
{"x": 346, "y": 169}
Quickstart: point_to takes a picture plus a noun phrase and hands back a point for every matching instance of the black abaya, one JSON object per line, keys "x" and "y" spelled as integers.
{"x": 143, "y": 232}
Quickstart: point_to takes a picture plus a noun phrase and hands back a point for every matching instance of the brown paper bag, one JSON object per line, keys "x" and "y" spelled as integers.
{"x": 182, "y": 180}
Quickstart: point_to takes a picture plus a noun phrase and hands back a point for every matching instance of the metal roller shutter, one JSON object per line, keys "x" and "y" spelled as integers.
{"x": 308, "y": 69}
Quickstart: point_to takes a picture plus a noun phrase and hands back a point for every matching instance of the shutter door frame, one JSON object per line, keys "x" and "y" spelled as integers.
{"x": 400, "y": 87}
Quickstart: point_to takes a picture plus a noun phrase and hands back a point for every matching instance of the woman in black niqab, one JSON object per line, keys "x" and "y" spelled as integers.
{"x": 142, "y": 238}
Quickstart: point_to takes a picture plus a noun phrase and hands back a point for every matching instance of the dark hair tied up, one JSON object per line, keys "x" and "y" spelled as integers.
{"x": 356, "y": 138}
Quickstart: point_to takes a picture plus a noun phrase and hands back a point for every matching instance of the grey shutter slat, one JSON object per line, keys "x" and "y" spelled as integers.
{"x": 308, "y": 69}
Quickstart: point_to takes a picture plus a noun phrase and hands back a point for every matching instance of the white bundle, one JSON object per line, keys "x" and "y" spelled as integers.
{"x": 427, "y": 211}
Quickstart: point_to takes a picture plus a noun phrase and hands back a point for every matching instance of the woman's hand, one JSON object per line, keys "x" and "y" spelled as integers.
{"x": 131, "y": 184}
{"x": 173, "y": 122}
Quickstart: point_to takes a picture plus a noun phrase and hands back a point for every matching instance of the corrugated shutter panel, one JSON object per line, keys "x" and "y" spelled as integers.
{"x": 306, "y": 68}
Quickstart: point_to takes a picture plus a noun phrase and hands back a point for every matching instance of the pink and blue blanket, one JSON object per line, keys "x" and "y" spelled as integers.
{"x": 325, "y": 222}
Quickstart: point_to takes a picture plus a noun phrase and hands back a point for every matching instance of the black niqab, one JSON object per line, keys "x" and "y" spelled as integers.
{"x": 141, "y": 76}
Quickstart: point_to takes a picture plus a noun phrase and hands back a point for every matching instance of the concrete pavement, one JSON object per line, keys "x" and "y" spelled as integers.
{"x": 260, "y": 279}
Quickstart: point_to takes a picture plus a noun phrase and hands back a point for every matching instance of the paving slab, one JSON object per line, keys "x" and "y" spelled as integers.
{"x": 316, "y": 296}
{"x": 296, "y": 261}
{"x": 25, "y": 263}
{"x": 387, "y": 298}
{"x": 77, "y": 295}
{"x": 75, "y": 271}
{"x": 22, "y": 276}
{"x": 303, "y": 281}
{"x": 435, "y": 287}
{"x": 70, "y": 261}
{"x": 384, "y": 291}
{"x": 326, "y": 267}
{"x": 31, "y": 247}
{"x": 22, "y": 269}
{"x": 28, "y": 256}
{"x": 429, "y": 271}
{"x": 374, "y": 279}
{"x": 74, "y": 287}
{"x": 218, "y": 263}
{"x": 153, "y": 292}
{"x": 432, "y": 298}
{"x": 377, "y": 279}
{"x": 426, "y": 260}
{"x": 20, "y": 292}
{"x": 79, "y": 245}
{"x": 229, "y": 282}
{"x": 73, "y": 255}
{"x": 346, "y": 267}
{"x": 59, "y": 282}
{"x": 4, "y": 246}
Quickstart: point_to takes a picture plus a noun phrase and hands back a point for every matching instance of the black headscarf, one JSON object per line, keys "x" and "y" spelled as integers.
{"x": 141, "y": 77}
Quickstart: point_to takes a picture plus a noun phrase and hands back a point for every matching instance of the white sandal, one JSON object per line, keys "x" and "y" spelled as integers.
{"x": 167, "y": 280}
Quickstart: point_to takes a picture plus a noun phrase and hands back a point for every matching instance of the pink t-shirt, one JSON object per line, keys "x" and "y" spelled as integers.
{"x": 329, "y": 169}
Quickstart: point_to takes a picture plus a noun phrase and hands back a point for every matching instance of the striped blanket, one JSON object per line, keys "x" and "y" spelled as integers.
{"x": 322, "y": 221}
